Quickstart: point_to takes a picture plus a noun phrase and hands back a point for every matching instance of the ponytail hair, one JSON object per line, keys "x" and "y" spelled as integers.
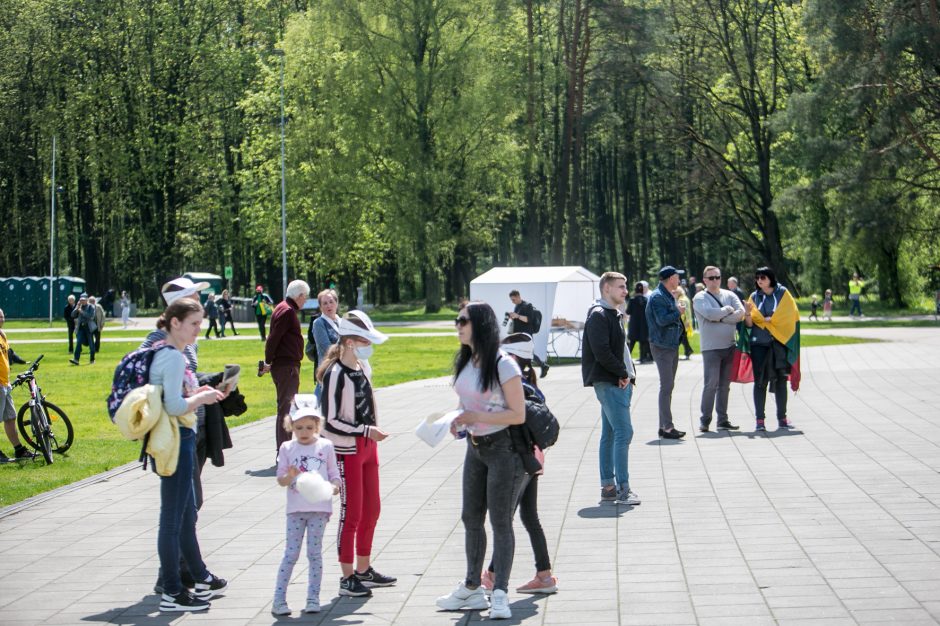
{"x": 180, "y": 309}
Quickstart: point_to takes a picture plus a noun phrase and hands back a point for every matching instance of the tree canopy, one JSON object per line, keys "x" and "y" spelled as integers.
{"x": 428, "y": 140}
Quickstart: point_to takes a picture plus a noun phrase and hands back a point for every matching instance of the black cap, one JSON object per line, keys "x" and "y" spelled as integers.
{"x": 668, "y": 271}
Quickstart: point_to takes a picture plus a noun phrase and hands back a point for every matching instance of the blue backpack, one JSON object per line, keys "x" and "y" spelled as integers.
{"x": 132, "y": 372}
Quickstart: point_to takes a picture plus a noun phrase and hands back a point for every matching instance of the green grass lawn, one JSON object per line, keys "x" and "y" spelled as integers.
{"x": 81, "y": 393}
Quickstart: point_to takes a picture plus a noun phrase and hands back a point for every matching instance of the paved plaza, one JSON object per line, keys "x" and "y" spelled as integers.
{"x": 836, "y": 522}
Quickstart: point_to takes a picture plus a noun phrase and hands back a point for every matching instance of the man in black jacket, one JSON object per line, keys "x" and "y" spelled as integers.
{"x": 606, "y": 366}
{"x": 523, "y": 321}
{"x": 70, "y": 322}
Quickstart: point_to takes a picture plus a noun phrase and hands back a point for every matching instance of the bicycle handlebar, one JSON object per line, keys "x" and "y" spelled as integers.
{"x": 23, "y": 377}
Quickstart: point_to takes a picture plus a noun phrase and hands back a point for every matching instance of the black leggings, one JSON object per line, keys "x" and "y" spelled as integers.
{"x": 262, "y": 319}
{"x": 764, "y": 376}
{"x": 529, "y": 514}
{"x": 228, "y": 319}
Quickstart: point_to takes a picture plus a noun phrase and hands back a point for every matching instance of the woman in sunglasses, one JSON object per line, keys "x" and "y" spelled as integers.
{"x": 489, "y": 385}
{"x": 774, "y": 321}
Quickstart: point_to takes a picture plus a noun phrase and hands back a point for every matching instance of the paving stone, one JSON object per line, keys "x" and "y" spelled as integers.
{"x": 833, "y": 524}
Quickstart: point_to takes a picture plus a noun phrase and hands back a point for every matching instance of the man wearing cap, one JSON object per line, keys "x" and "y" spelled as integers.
{"x": 718, "y": 311}
{"x": 283, "y": 352}
{"x": 84, "y": 316}
{"x": 664, "y": 318}
{"x": 608, "y": 367}
{"x": 262, "y": 304}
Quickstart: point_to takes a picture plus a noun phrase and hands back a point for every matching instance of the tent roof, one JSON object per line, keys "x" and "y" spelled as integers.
{"x": 530, "y": 275}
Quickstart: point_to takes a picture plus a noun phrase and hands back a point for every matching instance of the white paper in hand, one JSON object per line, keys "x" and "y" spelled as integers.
{"x": 313, "y": 487}
{"x": 432, "y": 431}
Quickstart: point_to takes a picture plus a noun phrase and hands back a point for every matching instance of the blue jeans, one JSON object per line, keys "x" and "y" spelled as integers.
{"x": 177, "y": 533}
{"x": 856, "y": 306}
{"x": 84, "y": 336}
{"x": 616, "y": 433}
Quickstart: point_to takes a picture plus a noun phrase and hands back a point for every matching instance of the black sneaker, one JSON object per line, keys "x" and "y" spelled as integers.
{"x": 608, "y": 493}
{"x": 73, "y": 361}
{"x": 726, "y": 425}
{"x": 671, "y": 434}
{"x": 353, "y": 587}
{"x": 210, "y": 588}
{"x": 183, "y": 601}
{"x": 371, "y": 578}
{"x": 703, "y": 426}
{"x": 22, "y": 453}
{"x": 544, "y": 373}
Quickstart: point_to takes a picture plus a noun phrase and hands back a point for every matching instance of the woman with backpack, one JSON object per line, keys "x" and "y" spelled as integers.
{"x": 489, "y": 386}
{"x": 181, "y": 397}
{"x": 520, "y": 347}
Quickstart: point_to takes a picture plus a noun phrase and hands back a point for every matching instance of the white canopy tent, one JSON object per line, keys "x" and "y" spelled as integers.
{"x": 558, "y": 292}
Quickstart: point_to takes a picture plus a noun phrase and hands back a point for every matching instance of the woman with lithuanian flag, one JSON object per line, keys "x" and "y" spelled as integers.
{"x": 773, "y": 345}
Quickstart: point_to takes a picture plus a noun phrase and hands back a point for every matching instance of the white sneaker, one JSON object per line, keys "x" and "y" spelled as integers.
{"x": 500, "y": 607}
{"x": 628, "y": 497}
{"x": 280, "y": 608}
{"x": 463, "y": 598}
{"x": 313, "y": 606}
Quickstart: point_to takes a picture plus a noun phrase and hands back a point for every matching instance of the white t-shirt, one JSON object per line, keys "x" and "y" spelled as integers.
{"x": 467, "y": 387}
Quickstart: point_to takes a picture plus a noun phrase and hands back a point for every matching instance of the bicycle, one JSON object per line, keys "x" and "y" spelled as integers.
{"x": 42, "y": 420}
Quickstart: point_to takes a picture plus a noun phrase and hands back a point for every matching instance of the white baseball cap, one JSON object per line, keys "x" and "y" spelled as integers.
{"x": 181, "y": 288}
{"x": 305, "y": 405}
{"x": 520, "y": 345}
{"x": 357, "y": 324}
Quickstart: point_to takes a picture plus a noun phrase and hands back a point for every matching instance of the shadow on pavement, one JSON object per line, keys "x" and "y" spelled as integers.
{"x": 269, "y": 472}
{"x": 604, "y": 511}
{"x": 146, "y": 612}
{"x": 773, "y": 434}
{"x": 664, "y": 442}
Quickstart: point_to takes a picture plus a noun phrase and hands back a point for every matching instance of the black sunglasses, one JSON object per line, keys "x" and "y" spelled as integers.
{"x": 461, "y": 321}
{"x": 713, "y": 278}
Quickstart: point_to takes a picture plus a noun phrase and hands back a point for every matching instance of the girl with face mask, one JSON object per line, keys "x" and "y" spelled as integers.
{"x": 348, "y": 404}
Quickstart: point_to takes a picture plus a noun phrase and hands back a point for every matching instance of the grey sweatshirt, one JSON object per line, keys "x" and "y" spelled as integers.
{"x": 716, "y": 323}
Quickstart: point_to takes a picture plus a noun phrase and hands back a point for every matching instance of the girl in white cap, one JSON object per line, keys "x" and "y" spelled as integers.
{"x": 306, "y": 452}
{"x": 348, "y": 405}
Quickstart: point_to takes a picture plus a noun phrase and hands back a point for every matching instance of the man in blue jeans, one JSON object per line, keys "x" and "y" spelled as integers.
{"x": 608, "y": 367}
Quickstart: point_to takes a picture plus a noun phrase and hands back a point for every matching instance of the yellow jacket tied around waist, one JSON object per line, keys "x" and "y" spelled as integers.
{"x": 142, "y": 412}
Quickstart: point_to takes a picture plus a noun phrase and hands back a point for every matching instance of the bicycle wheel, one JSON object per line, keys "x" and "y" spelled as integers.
{"x": 61, "y": 433}
{"x": 39, "y": 424}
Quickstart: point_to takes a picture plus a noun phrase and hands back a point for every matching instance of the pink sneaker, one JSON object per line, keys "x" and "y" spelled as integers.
{"x": 540, "y": 585}
{"x": 486, "y": 580}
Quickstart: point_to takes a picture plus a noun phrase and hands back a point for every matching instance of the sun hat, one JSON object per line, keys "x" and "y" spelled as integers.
{"x": 668, "y": 271}
{"x": 520, "y": 345}
{"x": 357, "y": 324}
{"x": 181, "y": 288}
{"x": 305, "y": 405}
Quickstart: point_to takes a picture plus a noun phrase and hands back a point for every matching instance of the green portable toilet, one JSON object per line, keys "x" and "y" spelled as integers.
{"x": 214, "y": 280}
{"x": 32, "y": 297}
{"x": 13, "y": 302}
{"x": 43, "y": 305}
{"x": 6, "y": 296}
{"x": 65, "y": 286}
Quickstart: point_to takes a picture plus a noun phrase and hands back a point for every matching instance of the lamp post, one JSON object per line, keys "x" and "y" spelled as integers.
{"x": 52, "y": 235}
{"x": 280, "y": 53}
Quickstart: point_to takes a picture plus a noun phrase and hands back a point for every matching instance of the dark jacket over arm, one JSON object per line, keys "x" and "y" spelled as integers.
{"x": 603, "y": 347}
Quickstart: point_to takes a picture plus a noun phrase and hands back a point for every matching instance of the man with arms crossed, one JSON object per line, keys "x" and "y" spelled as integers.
{"x": 718, "y": 311}
{"x": 606, "y": 366}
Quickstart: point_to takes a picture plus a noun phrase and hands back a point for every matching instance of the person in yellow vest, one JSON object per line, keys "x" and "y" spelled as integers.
{"x": 7, "y": 410}
{"x": 855, "y": 294}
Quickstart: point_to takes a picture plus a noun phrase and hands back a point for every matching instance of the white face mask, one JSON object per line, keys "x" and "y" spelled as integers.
{"x": 364, "y": 352}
